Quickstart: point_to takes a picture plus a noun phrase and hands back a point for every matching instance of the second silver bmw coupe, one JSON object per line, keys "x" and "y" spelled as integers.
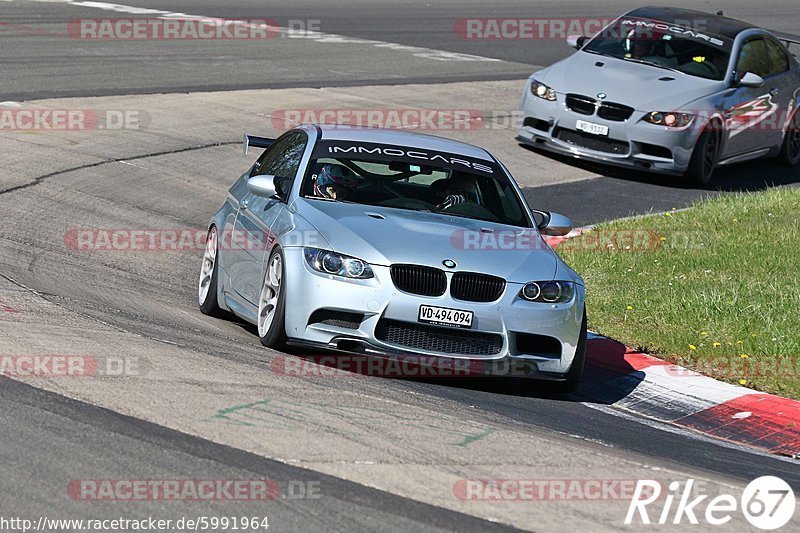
{"x": 672, "y": 91}
{"x": 390, "y": 244}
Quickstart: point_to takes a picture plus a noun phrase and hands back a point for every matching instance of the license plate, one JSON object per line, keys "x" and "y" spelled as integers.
{"x": 445, "y": 317}
{"x": 591, "y": 127}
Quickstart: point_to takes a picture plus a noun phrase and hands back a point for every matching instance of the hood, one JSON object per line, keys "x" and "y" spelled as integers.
{"x": 643, "y": 87}
{"x": 386, "y": 236}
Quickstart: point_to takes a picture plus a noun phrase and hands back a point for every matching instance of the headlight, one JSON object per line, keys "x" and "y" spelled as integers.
{"x": 669, "y": 119}
{"x": 335, "y": 264}
{"x": 543, "y": 91}
{"x": 550, "y": 292}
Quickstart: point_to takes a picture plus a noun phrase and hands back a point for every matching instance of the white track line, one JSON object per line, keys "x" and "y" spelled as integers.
{"x": 320, "y": 37}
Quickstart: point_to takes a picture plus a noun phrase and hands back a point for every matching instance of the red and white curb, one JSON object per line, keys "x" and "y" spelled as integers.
{"x": 670, "y": 393}
{"x": 662, "y": 391}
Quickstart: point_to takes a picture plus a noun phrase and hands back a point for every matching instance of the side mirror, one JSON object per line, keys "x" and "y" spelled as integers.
{"x": 576, "y": 41}
{"x": 750, "y": 80}
{"x": 263, "y": 185}
{"x": 554, "y": 224}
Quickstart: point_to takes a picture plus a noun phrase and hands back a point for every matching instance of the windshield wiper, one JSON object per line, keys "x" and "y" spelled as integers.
{"x": 449, "y": 214}
{"x": 326, "y": 199}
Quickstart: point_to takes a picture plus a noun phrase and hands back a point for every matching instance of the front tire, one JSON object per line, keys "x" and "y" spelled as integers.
{"x": 272, "y": 303}
{"x": 209, "y": 277}
{"x": 790, "y": 150}
{"x": 705, "y": 156}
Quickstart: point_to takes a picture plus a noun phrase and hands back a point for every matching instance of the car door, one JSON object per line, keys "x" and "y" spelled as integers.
{"x": 751, "y": 112}
{"x": 252, "y": 237}
{"x": 781, "y": 84}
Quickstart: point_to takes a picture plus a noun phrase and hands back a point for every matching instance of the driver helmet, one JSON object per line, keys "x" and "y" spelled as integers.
{"x": 456, "y": 190}
{"x": 334, "y": 176}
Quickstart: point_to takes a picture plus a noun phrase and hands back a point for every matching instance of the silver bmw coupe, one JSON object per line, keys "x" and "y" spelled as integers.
{"x": 392, "y": 244}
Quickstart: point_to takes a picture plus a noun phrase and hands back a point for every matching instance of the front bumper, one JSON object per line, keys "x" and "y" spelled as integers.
{"x": 632, "y": 143}
{"x": 413, "y": 364}
{"x": 507, "y": 336}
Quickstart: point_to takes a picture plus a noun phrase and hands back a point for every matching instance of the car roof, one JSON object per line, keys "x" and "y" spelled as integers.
{"x": 705, "y": 22}
{"x": 401, "y": 138}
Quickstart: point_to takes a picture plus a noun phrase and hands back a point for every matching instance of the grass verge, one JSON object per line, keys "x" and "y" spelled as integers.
{"x": 715, "y": 288}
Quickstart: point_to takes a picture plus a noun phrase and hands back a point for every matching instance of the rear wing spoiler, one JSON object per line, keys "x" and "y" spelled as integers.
{"x": 787, "y": 38}
{"x": 257, "y": 142}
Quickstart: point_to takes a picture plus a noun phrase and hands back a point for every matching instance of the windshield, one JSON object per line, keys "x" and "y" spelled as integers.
{"x": 686, "y": 50}
{"x": 413, "y": 179}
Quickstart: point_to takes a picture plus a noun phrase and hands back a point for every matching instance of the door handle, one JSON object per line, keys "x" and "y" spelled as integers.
{"x": 243, "y": 204}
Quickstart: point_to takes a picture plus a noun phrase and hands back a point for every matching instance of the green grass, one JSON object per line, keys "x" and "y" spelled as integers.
{"x": 715, "y": 288}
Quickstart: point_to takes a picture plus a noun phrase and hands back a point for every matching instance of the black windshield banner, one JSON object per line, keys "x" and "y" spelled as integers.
{"x": 361, "y": 151}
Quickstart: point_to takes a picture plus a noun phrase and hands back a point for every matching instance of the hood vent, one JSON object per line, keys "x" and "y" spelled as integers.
{"x": 377, "y": 216}
{"x": 666, "y": 78}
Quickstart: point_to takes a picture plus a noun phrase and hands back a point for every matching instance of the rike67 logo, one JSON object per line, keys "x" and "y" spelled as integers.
{"x": 767, "y": 503}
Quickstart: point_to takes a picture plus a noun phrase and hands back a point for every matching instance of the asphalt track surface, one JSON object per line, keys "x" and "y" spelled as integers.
{"x": 40, "y": 60}
{"x": 147, "y": 303}
{"x": 103, "y": 434}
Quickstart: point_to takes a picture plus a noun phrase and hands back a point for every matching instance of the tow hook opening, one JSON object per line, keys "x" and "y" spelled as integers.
{"x": 350, "y": 345}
